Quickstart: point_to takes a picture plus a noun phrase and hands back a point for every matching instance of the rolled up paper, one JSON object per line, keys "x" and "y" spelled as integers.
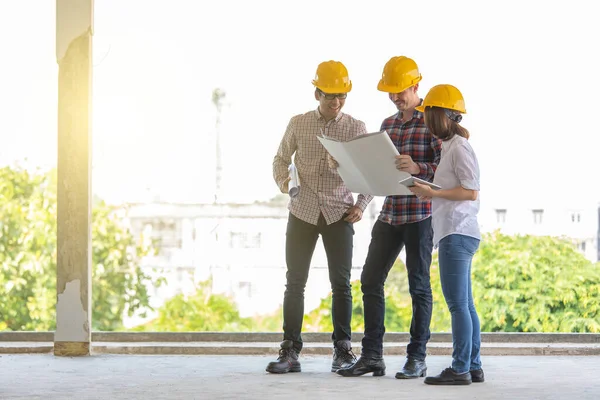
{"x": 294, "y": 185}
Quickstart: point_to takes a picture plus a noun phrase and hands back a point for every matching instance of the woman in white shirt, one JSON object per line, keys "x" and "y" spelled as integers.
{"x": 455, "y": 229}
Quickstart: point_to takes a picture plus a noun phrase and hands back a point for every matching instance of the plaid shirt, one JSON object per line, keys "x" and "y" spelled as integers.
{"x": 411, "y": 138}
{"x": 322, "y": 191}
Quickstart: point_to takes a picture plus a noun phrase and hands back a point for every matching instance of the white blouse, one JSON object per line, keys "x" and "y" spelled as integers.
{"x": 458, "y": 166}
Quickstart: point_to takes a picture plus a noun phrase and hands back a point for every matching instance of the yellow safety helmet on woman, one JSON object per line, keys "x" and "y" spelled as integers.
{"x": 399, "y": 74}
{"x": 332, "y": 77}
{"x": 444, "y": 96}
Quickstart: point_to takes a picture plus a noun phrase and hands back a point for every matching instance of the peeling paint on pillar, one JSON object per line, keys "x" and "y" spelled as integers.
{"x": 74, "y": 57}
{"x": 71, "y": 316}
{"x": 73, "y": 19}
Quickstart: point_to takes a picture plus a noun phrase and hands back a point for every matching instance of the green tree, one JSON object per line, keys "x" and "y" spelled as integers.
{"x": 398, "y": 306}
{"x": 535, "y": 284}
{"x": 28, "y": 257}
{"x": 202, "y": 311}
{"x": 27, "y": 250}
{"x": 120, "y": 285}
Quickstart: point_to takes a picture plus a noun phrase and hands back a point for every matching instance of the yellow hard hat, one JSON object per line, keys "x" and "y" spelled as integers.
{"x": 399, "y": 74}
{"x": 444, "y": 96}
{"x": 332, "y": 77}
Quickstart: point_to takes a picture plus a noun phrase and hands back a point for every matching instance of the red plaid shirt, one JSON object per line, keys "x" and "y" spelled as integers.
{"x": 412, "y": 138}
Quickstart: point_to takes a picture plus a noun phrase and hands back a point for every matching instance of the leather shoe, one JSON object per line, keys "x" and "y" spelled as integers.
{"x": 413, "y": 368}
{"x": 449, "y": 377}
{"x": 364, "y": 365}
{"x": 477, "y": 375}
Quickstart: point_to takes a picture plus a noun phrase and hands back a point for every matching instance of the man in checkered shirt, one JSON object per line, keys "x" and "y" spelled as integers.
{"x": 324, "y": 206}
{"x": 404, "y": 221}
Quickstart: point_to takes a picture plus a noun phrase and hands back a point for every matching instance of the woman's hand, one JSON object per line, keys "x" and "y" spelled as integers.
{"x": 423, "y": 192}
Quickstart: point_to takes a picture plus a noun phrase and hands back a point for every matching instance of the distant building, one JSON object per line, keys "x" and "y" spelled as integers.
{"x": 577, "y": 221}
{"x": 242, "y": 246}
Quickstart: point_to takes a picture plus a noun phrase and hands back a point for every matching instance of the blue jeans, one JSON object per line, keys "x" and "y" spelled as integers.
{"x": 386, "y": 243}
{"x": 301, "y": 240}
{"x": 455, "y": 256}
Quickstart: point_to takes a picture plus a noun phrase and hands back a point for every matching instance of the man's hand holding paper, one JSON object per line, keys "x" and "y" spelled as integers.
{"x": 284, "y": 185}
{"x": 405, "y": 163}
{"x": 332, "y": 162}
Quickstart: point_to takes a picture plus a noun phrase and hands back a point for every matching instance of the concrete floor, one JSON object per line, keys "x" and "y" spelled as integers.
{"x": 230, "y": 377}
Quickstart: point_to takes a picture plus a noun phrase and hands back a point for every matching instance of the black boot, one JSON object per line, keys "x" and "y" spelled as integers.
{"x": 449, "y": 377}
{"x": 364, "y": 365}
{"x": 413, "y": 368}
{"x": 343, "y": 357}
{"x": 287, "y": 360}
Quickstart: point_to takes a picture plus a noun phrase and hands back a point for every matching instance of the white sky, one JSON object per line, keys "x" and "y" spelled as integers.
{"x": 528, "y": 71}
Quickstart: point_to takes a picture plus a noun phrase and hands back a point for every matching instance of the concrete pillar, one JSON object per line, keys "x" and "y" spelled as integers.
{"x": 74, "y": 23}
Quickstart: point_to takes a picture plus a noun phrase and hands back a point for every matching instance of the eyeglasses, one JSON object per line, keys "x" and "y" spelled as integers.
{"x": 331, "y": 96}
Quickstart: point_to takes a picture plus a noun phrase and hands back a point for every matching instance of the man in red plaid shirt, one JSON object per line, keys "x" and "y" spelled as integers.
{"x": 404, "y": 221}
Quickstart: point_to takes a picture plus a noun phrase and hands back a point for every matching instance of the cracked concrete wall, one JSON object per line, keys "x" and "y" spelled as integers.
{"x": 74, "y": 57}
